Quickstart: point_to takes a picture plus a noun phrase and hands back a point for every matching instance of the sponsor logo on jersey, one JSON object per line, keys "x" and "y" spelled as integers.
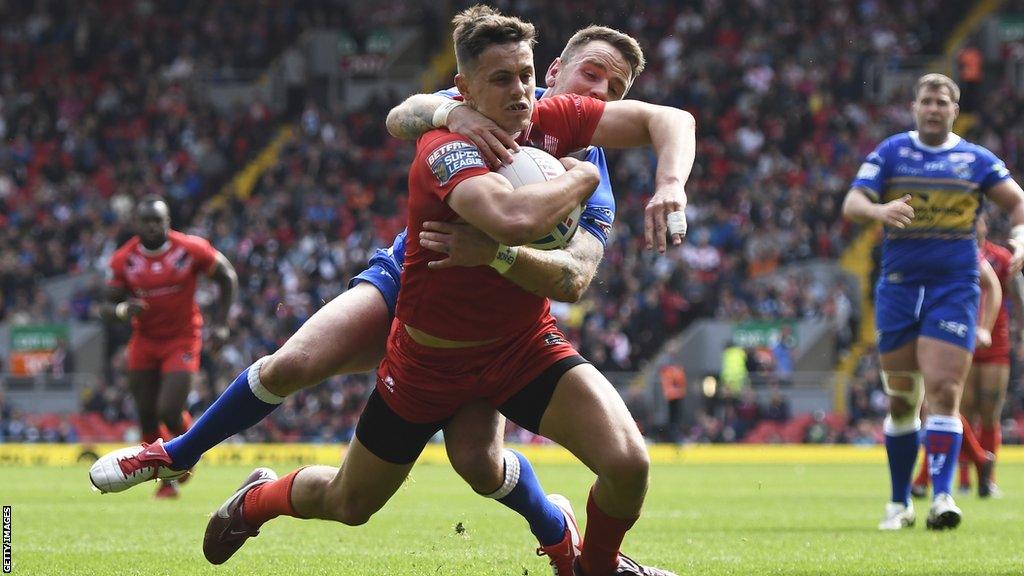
{"x": 962, "y": 171}
{"x": 966, "y": 157}
{"x": 453, "y": 157}
{"x": 905, "y": 152}
{"x": 868, "y": 171}
{"x": 909, "y": 170}
{"x": 552, "y": 339}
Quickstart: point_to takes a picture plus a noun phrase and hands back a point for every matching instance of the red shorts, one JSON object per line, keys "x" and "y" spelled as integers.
{"x": 997, "y": 353}
{"x": 424, "y": 384}
{"x": 171, "y": 355}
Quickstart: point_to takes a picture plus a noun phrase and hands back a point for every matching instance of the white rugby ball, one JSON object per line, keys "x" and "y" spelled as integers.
{"x": 533, "y": 165}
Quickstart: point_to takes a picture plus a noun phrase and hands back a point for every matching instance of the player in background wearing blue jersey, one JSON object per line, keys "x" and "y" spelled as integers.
{"x": 348, "y": 334}
{"x": 926, "y": 187}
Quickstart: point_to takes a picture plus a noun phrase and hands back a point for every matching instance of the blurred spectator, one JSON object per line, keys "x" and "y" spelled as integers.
{"x": 673, "y": 387}
{"x": 778, "y": 407}
{"x": 734, "y": 376}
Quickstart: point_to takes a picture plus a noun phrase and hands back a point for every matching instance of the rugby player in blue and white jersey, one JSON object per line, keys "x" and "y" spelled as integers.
{"x": 927, "y": 187}
{"x": 348, "y": 334}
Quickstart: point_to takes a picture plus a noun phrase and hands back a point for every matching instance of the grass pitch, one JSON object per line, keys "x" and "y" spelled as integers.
{"x": 707, "y": 519}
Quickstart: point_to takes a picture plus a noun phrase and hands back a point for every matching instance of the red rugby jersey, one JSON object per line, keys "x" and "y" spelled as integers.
{"x": 476, "y": 303}
{"x": 166, "y": 282}
{"x": 999, "y": 258}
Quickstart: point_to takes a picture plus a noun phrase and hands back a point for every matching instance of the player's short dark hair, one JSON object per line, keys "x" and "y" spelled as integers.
{"x": 153, "y": 200}
{"x": 479, "y": 27}
{"x": 622, "y": 42}
{"x": 935, "y": 81}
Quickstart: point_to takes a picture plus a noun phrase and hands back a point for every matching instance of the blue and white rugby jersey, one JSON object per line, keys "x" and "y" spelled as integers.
{"x": 946, "y": 184}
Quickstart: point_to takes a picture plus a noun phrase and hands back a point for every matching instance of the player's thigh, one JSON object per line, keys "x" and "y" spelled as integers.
{"x": 345, "y": 336}
{"x": 145, "y": 387}
{"x": 944, "y": 367}
{"x": 587, "y": 416}
{"x": 942, "y": 362}
{"x": 993, "y": 381}
{"x": 474, "y": 442}
{"x": 897, "y": 322}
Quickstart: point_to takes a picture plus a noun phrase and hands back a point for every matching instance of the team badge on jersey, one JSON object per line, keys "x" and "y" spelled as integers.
{"x": 453, "y": 157}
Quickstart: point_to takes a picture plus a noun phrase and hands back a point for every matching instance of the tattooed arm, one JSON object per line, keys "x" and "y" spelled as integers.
{"x": 562, "y": 275}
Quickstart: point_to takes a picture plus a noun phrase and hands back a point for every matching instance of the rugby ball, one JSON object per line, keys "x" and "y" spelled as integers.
{"x": 533, "y": 165}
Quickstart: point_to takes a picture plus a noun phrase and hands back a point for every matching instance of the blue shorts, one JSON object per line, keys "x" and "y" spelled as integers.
{"x": 945, "y": 311}
{"x": 385, "y": 274}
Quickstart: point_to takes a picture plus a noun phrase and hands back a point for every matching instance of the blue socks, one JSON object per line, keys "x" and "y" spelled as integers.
{"x": 522, "y": 493}
{"x": 943, "y": 437}
{"x": 243, "y": 404}
{"x": 901, "y": 445}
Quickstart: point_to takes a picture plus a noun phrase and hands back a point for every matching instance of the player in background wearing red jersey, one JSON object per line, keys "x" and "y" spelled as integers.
{"x": 972, "y": 451}
{"x": 152, "y": 284}
{"x": 987, "y": 382}
{"x": 469, "y": 334}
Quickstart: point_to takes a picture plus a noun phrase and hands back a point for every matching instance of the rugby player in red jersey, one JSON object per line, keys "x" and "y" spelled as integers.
{"x": 463, "y": 335}
{"x": 152, "y": 284}
{"x": 349, "y": 333}
{"x": 989, "y": 378}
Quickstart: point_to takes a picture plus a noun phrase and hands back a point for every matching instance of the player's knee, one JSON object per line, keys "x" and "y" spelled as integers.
{"x": 287, "y": 371}
{"x": 628, "y": 472}
{"x": 481, "y": 469}
{"x": 943, "y": 395}
{"x": 349, "y": 511}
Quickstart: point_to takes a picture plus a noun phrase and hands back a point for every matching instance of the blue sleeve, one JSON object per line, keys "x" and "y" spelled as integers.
{"x": 871, "y": 175}
{"x": 599, "y": 213}
{"x": 993, "y": 170}
{"x": 397, "y": 249}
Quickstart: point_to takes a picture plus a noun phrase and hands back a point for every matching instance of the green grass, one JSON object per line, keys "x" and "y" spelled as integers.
{"x": 699, "y": 519}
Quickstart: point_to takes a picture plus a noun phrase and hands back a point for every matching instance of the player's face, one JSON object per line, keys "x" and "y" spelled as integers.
{"x": 501, "y": 85}
{"x": 154, "y": 222}
{"x": 934, "y": 113}
{"x": 597, "y": 70}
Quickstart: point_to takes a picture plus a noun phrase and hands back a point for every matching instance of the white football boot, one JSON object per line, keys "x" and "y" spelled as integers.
{"x": 898, "y": 516}
{"x": 944, "y": 513}
{"x": 127, "y": 467}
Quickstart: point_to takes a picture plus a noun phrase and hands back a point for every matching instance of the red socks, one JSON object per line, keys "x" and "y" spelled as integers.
{"x": 186, "y": 422}
{"x": 269, "y": 500}
{"x": 604, "y": 534}
{"x": 991, "y": 440}
{"x": 971, "y": 448}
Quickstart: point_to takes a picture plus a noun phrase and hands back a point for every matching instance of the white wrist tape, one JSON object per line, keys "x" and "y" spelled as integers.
{"x": 677, "y": 222}
{"x": 504, "y": 258}
{"x": 440, "y": 119}
{"x": 121, "y": 311}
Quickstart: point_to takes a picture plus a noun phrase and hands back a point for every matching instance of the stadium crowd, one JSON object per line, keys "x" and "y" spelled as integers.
{"x": 92, "y": 118}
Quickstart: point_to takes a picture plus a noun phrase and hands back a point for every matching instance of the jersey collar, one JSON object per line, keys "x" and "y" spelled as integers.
{"x": 951, "y": 141}
{"x": 159, "y": 251}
